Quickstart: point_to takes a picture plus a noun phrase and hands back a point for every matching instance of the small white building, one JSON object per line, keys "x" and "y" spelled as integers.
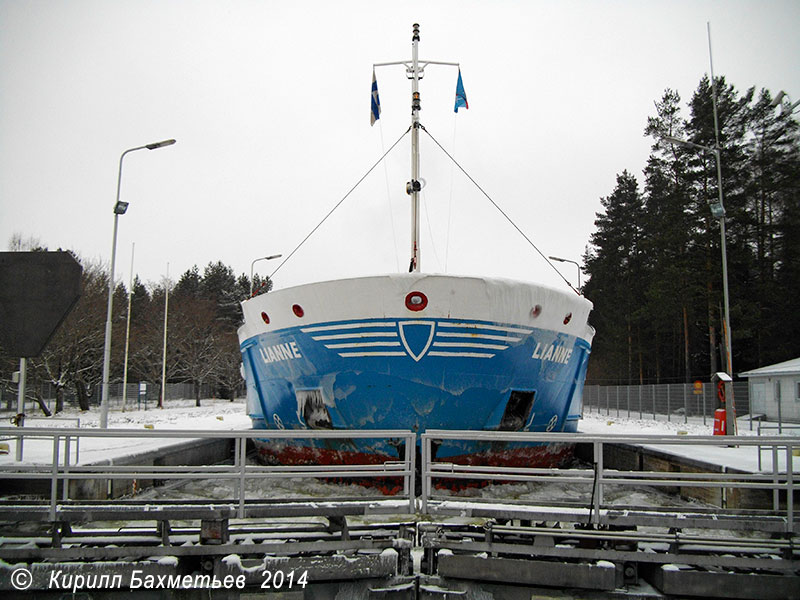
{"x": 775, "y": 391}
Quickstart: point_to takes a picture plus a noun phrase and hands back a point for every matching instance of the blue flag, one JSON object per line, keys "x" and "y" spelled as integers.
{"x": 375, "y": 112}
{"x": 461, "y": 95}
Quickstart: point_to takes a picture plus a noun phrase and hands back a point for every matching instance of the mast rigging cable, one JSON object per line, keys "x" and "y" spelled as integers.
{"x": 455, "y": 162}
{"x": 338, "y": 204}
{"x": 502, "y": 212}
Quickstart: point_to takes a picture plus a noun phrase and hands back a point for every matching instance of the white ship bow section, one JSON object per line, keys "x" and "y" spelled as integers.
{"x": 323, "y": 309}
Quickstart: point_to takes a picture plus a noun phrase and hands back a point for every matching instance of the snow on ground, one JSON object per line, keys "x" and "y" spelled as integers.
{"x": 176, "y": 414}
{"x": 744, "y": 458}
{"x": 613, "y": 424}
{"x": 212, "y": 414}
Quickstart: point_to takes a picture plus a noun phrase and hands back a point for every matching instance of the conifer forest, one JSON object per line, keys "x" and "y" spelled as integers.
{"x": 654, "y": 261}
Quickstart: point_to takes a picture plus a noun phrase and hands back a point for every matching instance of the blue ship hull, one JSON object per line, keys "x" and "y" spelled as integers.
{"x": 415, "y": 368}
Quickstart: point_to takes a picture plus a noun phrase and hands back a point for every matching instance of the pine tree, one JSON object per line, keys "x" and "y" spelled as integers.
{"x": 670, "y": 226}
{"x": 614, "y": 264}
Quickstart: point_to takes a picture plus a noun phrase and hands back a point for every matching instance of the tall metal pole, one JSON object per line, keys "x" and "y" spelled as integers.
{"x": 164, "y": 353}
{"x": 414, "y": 72}
{"x": 23, "y": 374}
{"x": 415, "y": 186}
{"x": 107, "y": 343}
{"x": 127, "y": 335}
{"x": 730, "y": 406}
{"x": 727, "y": 332}
{"x": 119, "y": 209}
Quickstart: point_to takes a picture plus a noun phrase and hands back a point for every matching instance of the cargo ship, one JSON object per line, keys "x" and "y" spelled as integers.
{"x": 415, "y": 351}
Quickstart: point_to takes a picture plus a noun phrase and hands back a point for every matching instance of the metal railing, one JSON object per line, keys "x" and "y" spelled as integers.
{"x": 779, "y": 479}
{"x": 67, "y": 440}
{"x": 62, "y": 471}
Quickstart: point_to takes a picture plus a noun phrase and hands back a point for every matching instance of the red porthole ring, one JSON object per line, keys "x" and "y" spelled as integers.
{"x": 265, "y": 318}
{"x": 298, "y": 310}
{"x": 568, "y": 318}
{"x": 416, "y": 301}
{"x": 536, "y": 311}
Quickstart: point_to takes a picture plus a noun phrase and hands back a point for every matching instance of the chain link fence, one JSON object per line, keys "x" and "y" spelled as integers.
{"x": 664, "y": 401}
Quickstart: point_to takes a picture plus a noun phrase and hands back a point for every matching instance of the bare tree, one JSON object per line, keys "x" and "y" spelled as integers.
{"x": 73, "y": 355}
{"x": 196, "y": 339}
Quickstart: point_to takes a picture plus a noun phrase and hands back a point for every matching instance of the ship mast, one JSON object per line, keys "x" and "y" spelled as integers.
{"x": 415, "y": 70}
{"x": 414, "y": 186}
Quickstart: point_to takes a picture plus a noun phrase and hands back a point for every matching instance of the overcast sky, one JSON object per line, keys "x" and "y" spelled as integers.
{"x": 269, "y": 102}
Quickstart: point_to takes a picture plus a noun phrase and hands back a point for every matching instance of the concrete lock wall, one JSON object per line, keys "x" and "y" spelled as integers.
{"x": 634, "y": 458}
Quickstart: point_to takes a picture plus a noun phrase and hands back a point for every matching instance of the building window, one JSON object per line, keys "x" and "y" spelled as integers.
{"x": 797, "y": 391}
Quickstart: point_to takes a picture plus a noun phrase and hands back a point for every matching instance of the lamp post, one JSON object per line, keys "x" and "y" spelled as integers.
{"x": 119, "y": 209}
{"x": 788, "y": 108}
{"x": 253, "y": 264}
{"x": 566, "y": 260}
{"x": 127, "y": 336}
{"x": 717, "y": 208}
{"x": 164, "y": 352}
{"x": 718, "y": 212}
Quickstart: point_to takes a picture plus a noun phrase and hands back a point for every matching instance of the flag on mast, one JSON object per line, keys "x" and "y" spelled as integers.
{"x": 461, "y": 95}
{"x": 375, "y": 111}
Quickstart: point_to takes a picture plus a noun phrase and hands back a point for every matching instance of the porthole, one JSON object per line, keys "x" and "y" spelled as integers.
{"x": 536, "y": 311}
{"x": 568, "y": 318}
{"x": 416, "y": 301}
{"x": 298, "y": 310}
{"x": 265, "y": 318}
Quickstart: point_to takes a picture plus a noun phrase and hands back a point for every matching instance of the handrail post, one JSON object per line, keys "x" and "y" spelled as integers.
{"x": 789, "y": 488}
{"x": 411, "y": 460}
{"x": 598, "y": 486}
{"x": 241, "y": 457}
{"x": 775, "y": 479}
{"x": 54, "y": 478}
{"x": 65, "y": 488}
{"x": 424, "y": 466}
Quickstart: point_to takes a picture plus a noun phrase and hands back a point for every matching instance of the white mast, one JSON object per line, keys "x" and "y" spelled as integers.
{"x": 415, "y": 72}
{"x": 413, "y": 187}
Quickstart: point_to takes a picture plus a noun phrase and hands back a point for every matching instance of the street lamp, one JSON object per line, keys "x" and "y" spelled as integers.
{"x": 252, "y": 264}
{"x": 566, "y": 260}
{"x": 786, "y": 109}
{"x": 119, "y": 209}
{"x": 718, "y": 212}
